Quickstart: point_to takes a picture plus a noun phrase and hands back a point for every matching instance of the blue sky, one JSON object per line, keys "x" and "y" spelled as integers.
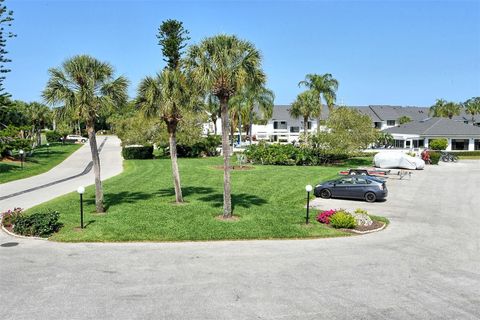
{"x": 382, "y": 52}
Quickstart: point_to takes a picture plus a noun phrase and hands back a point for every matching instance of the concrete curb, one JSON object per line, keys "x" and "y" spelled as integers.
{"x": 368, "y": 231}
{"x": 21, "y": 237}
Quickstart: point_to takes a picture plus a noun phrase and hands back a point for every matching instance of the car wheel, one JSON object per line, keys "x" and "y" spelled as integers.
{"x": 370, "y": 197}
{"x": 325, "y": 193}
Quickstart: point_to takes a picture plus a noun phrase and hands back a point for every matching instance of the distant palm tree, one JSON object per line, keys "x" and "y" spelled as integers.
{"x": 324, "y": 85}
{"x": 167, "y": 97}
{"x": 212, "y": 107}
{"x": 472, "y": 107}
{"x": 306, "y": 106}
{"x": 222, "y": 65}
{"x": 256, "y": 101}
{"x": 38, "y": 115}
{"x": 445, "y": 109}
{"x": 86, "y": 86}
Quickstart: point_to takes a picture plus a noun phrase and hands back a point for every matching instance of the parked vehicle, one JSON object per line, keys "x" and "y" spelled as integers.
{"x": 75, "y": 138}
{"x": 379, "y": 175}
{"x": 368, "y": 188}
{"x": 446, "y": 157}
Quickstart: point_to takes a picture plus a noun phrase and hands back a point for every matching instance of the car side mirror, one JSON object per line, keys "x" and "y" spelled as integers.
{"x": 334, "y": 184}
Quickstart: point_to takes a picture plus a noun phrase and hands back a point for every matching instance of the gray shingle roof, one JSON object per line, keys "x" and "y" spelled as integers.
{"x": 437, "y": 127}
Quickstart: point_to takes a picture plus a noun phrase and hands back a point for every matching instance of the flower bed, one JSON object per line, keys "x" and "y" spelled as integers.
{"x": 358, "y": 221}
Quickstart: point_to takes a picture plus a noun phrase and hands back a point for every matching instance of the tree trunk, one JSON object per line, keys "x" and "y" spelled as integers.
{"x": 96, "y": 168}
{"x": 227, "y": 197}
{"x": 172, "y": 135}
{"x": 239, "y": 129}
{"x": 319, "y": 115}
{"x": 39, "y": 137}
{"x": 232, "y": 133}
{"x": 250, "y": 126}
{"x": 215, "y": 125}
{"x": 305, "y": 128}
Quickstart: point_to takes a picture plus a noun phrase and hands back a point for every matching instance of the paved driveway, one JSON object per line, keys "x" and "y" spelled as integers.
{"x": 64, "y": 178}
{"x": 426, "y": 265}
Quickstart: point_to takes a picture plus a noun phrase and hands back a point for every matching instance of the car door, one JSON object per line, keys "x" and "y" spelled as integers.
{"x": 358, "y": 188}
{"x": 341, "y": 188}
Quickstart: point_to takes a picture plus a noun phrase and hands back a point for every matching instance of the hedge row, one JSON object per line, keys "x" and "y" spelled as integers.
{"x": 466, "y": 153}
{"x": 137, "y": 152}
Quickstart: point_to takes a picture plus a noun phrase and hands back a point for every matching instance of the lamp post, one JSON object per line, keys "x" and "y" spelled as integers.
{"x": 48, "y": 148}
{"x": 308, "y": 188}
{"x": 21, "y": 153}
{"x": 80, "y": 191}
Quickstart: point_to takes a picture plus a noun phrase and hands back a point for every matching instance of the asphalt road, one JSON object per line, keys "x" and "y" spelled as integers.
{"x": 425, "y": 265}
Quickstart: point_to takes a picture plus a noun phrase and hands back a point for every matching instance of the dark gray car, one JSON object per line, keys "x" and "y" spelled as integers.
{"x": 356, "y": 187}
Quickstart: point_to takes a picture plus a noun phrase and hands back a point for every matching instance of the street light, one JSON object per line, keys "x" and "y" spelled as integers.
{"x": 308, "y": 188}
{"x": 80, "y": 191}
{"x": 21, "y": 152}
{"x": 48, "y": 148}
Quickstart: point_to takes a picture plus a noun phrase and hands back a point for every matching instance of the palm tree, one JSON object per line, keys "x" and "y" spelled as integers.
{"x": 222, "y": 65}
{"x": 256, "y": 101}
{"x": 324, "y": 85}
{"x": 306, "y": 106}
{"x": 38, "y": 115}
{"x": 86, "y": 86}
{"x": 442, "y": 108}
{"x": 437, "y": 109}
{"x": 166, "y": 97}
{"x": 472, "y": 107}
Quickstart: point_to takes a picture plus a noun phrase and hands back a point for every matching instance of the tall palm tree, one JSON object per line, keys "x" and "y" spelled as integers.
{"x": 445, "y": 109}
{"x": 85, "y": 86}
{"x": 212, "y": 107}
{"x": 472, "y": 107}
{"x": 324, "y": 85}
{"x": 167, "y": 96}
{"x": 222, "y": 65}
{"x": 256, "y": 101}
{"x": 306, "y": 106}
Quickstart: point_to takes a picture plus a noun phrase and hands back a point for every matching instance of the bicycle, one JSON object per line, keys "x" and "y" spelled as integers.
{"x": 447, "y": 157}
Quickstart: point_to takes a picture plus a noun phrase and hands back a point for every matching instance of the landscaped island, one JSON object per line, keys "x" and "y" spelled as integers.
{"x": 268, "y": 202}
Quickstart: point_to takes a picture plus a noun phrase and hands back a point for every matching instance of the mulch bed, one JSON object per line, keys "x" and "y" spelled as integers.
{"x": 237, "y": 168}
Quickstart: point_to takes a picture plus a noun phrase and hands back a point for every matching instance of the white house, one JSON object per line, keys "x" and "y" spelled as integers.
{"x": 418, "y": 134}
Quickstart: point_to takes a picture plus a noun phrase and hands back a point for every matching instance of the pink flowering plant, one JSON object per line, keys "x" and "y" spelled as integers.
{"x": 9, "y": 217}
{"x": 324, "y": 216}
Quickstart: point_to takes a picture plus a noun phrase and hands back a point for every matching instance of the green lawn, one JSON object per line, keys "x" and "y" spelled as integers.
{"x": 268, "y": 200}
{"x": 41, "y": 161}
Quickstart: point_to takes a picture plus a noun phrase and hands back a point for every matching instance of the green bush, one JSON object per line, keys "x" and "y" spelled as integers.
{"x": 288, "y": 154}
{"x": 466, "y": 153}
{"x": 137, "y": 152}
{"x": 341, "y": 219}
{"x": 38, "y": 224}
{"x": 53, "y": 136}
{"x": 438, "y": 144}
{"x": 206, "y": 147}
{"x": 435, "y": 157}
{"x": 10, "y": 217}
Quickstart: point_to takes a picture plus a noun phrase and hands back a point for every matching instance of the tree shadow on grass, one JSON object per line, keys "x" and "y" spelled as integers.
{"x": 186, "y": 191}
{"x": 8, "y": 167}
{"x": 121, "y": 197}
{"x": 243, "y": 200}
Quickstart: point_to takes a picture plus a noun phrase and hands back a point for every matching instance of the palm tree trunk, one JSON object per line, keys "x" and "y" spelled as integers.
{"x": 250, "y": 126}
{"x": 239, "y": 129}
{"x": 172, "y": 135}
{"x": 305, "y": 127}
{"x": 319, "y": 115}
{"x": 227, "y": 197}
{"x": 214, "y": 125}
{"x": 96, "y": 167}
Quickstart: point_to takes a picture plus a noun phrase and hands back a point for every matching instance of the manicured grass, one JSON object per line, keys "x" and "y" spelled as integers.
{"x": 268, "y": 200}
{"x": 41, "y": 161}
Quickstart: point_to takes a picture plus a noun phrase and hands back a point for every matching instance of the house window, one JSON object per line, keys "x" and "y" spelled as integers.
{"x": 280, "y": 125}
{"x": 294, "y": 129}
{"x": 476, "y": 145}
{"x": 378, "y": 125}
{"x": 399, "y": 143}
{"x": 390, "y": 122}
{"x": 309, "y": 125}
{"x": 459, "y": 144}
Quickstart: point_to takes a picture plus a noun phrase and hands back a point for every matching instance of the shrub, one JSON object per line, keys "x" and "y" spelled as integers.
{"x": 53, "y": 136}
{"x": 435, "y": 157}
{"x": 342, "y": 219}
{"x": 38, "y": 224}
{"x": 10, "y": 217}
{"x": 206, "y": 147}
{"x": 137, "y": 152}
{"x": 324, "y": 216}
{"x": 438, "y": 144}
{"x": 466, "y": 153}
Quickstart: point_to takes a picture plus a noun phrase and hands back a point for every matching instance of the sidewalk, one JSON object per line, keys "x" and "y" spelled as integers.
{"x": 64, "y": 178}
